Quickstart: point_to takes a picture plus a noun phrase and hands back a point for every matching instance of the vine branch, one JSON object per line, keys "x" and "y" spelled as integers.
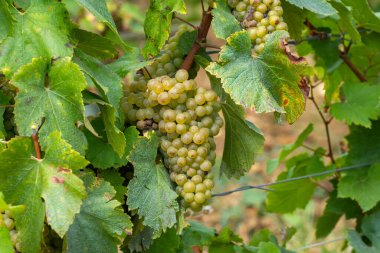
{"x": 326, "y": 123}
{"x": 351, "y": 66}
{"x": 248, "y": 187}
{"x": 36, "y": 144}
{"x": 201, "y": 37}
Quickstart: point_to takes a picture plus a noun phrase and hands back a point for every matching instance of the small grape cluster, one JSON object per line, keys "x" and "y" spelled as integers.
{"x": 260, "y": 18}
{"x": 6, "y": 220}
{"x": 8, "y": 116}
{"x": 186, "y": 117}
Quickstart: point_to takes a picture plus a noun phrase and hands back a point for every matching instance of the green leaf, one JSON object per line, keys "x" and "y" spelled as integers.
{"x": 362, "y": 186}
{"x": 370, "y": 230}
{"x": 288, "y": 149}
{"x": 242, "y": 143}
{"x": 269, "y": 82}
{"x": 294, "y": 18}
{"x": 54, "y": 93}
{"x": 47, "y": 39}
{"x": 94, "y": 44}
{"x": 242, "y": 139}
{"x": 346, "y": 22}
{"x": 364, "y": 144}
{"x": 363, "y": 14}
{"x": 268, "y": 247}
{"x": 287, "y": 197}
{"x": 115, "y": 137}
{"x": 100, "y": 11}
{"x": 108, "y": 82}
{"x": 196, "y": 234}
{"x": 108, "y": 158}
{"x": 101, "y": 221}
{"x": 361, "y": 104}
{"x": 150, "y": 190}
{"x": 157, "y": 24}
{"x": 6, "y": 23}
{"x": 5, "y": 241}
{"x": 113, "y": 177}
{"x": 141, "y": 239}
{"x": 224, "y": 242}
{"x": 128, "y": 63}
{"x": 167, "y": 242}
{"x": 223, "y": 23}
{"x": 335, "y": 208}
{"x": 186, "y": 41}
{"x": 321, "y": 7}
{"x": 26, "y": 180}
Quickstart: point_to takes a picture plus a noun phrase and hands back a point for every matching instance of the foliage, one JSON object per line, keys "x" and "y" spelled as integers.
{"x": 93, "y": 160}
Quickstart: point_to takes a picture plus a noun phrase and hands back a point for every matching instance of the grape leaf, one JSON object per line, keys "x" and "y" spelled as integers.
{"x": 223, "y": 23}
{"x": 141, "y": 239}
{"x": 370, "y": 230}
{"x": 287, "y": 197}
{"x": 94, "y": 44}
{"x": 113, "y": 177}
{"x": 157, "y": 24}
{"x": 242, "y": 143}
{"x": 26, "y": 180}
{"x": 242, "y": 139}
{"x": 54, "y": 93}
{"x": 362, "y": 185}
{"x": 294, "y": 18}
{"x": 100, "y": 11}
{"x": 101, "y": 221}
{"x": 225, "y": 242}
{"x": 346, "y": 22}
{"x": 288, "y": 149}
{"x": 150, "y": 189}
{"x": 364, "y": 144}
{"x": 361, "y": 104}
{"x": 167, "y": 242}
{"x": 6, "y": 23}
{"x": 109, "y": 84}
{"x": 128, "y": 63}
{"x": 269, "y": 82}
{"x": 363, "y": 14}
{"x": 268, "y": 247}
{"x": 5, "y": 240}
{"x": 49, "y": 39}
{"x": 321, "y": 7}
{"x": 196, "y": 234}
{"x": 335, "y": 208}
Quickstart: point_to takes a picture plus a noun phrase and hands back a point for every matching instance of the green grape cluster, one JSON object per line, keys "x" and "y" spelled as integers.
{"x": 8, "y": 116}
{"x": 260, "y": 18}
{"x": 7, "y": 220}
{"x": 186, "y": 117}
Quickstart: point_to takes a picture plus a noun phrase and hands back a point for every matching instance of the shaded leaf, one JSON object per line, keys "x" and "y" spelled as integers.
{"x": 150, "y": 190}
{"x": 223, "y": 23}
{"x": 101, "y": 222}
{"x": 363, "y": 14}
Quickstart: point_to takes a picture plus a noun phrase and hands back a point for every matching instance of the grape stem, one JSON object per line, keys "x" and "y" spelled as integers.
{"x": 36, "y": 142}
{"x": 201, "y": 37}
{"x": 184, "y": 21}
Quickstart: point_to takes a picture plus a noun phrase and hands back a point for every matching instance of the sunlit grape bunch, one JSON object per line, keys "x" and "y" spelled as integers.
{"x": 186, "y": 117}
{"x": 260, "y": 18}
{"x": 7, "y": 221}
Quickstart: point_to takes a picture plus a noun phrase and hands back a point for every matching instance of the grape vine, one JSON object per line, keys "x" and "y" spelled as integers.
{"x": 120, "y": 123}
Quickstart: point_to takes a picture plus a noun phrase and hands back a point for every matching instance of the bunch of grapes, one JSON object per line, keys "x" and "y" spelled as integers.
{"x": 186, "y": 117}
{"x": 8, "y": 116}
{"x": 260, "y": 18}
{"x": 7, "y": 220}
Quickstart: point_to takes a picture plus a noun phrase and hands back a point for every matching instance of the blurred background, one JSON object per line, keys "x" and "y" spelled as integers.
{"x": 244, "y": 212}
